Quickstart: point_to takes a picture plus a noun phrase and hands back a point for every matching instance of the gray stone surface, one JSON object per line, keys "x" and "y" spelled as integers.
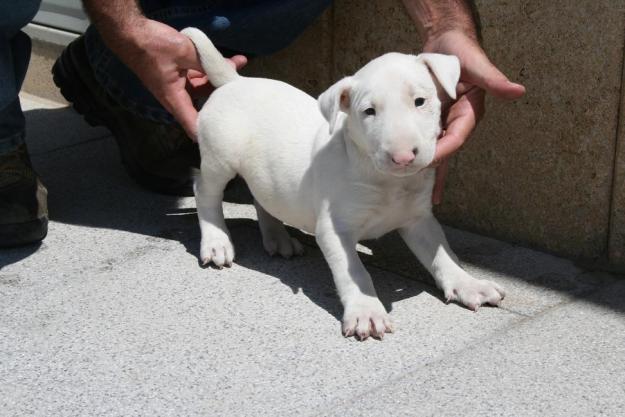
{"x": 535, "y": 281}
{"x": 161, "y": 335}
{"x": 112, "y": 315}
{"x": 569, "y": 361}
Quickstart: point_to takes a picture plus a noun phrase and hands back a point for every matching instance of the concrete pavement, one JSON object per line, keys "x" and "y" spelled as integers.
{"x": 112, "y": 315}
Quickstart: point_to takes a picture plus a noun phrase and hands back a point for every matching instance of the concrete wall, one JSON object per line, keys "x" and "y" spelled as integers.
{"x": 544, "y": 171}
{"x": 617, "y": 220}
{"x": 540, "y": 171}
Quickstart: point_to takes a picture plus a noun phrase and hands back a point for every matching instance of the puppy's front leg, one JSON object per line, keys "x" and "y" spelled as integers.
{"x": 364, "y": 314}
{"x": 427, "y": 240}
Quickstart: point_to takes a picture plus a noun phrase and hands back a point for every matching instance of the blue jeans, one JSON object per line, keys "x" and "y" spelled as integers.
{"x": 249, "y": 27}
{"x": 14, "y": 58}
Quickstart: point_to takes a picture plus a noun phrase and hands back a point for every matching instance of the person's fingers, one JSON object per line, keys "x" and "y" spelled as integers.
{"x": 449, "y": 144}
{"x": 462, "y": 88}
{"x": 460, "y": 121}
{"x": 175, "y": 97}
{"x": 189, "y": 59}
{"x": 198, "y": 78}
{"x": 199, "y": 84}
{"x": 178, "y": 102}
{"x": 478, "y": 70}
{"x": 199, "y": 88}
{"x": 439, "y": 183}
{"x": 239, "y": 61}
{"x": 193, "y": 74}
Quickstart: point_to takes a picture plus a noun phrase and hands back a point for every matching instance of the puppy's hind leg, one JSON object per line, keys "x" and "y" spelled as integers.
{"x": 276, "y": 239}
{"x": 216, "y": 245}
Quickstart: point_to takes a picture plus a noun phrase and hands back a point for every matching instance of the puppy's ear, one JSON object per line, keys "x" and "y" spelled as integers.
{"x": 334, "y": 99}
{"x": 446, "y": 69}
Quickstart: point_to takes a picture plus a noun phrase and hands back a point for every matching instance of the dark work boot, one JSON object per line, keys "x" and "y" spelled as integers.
{"x": 23, "y": 201}
{"x": 159, "y": 157}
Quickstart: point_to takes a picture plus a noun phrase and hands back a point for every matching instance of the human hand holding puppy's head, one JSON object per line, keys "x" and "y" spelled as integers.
{"x": 391, "y": 108}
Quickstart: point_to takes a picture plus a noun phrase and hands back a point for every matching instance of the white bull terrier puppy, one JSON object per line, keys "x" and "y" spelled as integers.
{"x": 353, "y": 165}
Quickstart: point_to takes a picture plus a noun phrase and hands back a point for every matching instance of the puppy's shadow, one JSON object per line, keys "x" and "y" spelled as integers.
{"x": 310, "y": 273}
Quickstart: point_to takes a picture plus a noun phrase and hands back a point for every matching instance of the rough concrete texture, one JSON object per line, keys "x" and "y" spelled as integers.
{"x": 573, "y": 351}
{"x": 112, "y": 315}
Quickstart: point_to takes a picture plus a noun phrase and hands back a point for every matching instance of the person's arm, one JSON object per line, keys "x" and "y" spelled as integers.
{"x": 451, "y": 27}
{"x": 159, "y": 55}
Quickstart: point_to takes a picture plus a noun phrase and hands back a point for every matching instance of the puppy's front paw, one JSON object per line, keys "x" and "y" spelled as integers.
{"x": 217, "y": 249}
{"x": 366, "y": 316}
{"x": 475, "y": 292}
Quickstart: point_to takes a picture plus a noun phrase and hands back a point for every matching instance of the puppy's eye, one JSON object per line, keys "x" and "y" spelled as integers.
{"x": 419, "y": 102}
{"x": 370, "y": 111}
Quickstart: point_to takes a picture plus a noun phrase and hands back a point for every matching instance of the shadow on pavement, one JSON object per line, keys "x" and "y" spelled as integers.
{"x": 309, "y": 273}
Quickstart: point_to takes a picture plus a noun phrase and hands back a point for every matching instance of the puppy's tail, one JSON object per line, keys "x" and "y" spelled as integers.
{"x": 217, "y": 69}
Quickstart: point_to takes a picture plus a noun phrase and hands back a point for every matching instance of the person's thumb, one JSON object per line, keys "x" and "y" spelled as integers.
{"x": 481, "y": 72}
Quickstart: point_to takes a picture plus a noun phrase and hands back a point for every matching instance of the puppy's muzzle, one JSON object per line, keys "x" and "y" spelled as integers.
{"x": 404, "y": 158}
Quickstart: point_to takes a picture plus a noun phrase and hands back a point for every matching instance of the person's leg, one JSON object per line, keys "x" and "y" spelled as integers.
{"x": 23, "y": 209}
{"x": 14, "y": 58}
{"x": 107, "y": 93}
